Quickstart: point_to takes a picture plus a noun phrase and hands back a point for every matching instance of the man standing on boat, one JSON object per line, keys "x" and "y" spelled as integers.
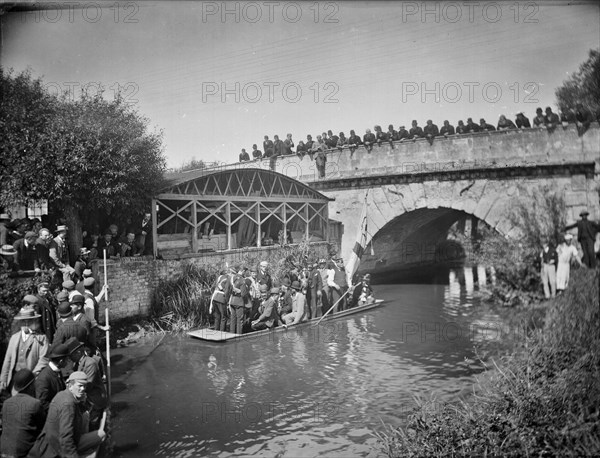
{"x": 315, "y": 285}
{"x": 219, "y": 300}
{"x": 262, "y": 276}
{"x": 324, "y": 272}
{"x": 338, "y": 284}
{"x": 268, "y": 312}
{"x": 298, "y": 313}
{"x": 236, "y": 302}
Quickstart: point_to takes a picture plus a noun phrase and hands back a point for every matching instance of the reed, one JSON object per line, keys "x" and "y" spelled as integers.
{"x": 182, "y": 304}
{"x": 541, "y": 400}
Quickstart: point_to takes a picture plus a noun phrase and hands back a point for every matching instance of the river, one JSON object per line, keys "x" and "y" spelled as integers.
{"x": 322, "y": 393}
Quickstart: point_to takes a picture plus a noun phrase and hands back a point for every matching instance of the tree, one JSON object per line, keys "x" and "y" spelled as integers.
{"x": 582, "y": 87}
{"x": 83, "y": 155}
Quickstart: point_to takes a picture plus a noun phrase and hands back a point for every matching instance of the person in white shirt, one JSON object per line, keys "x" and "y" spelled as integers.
{"x": 299, "y": 312}
{"x": 566, "y": 252}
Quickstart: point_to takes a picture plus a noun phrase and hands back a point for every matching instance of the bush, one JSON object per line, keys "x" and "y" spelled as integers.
{"x": 542, "y": 400}
{"x": 537, "y": 214}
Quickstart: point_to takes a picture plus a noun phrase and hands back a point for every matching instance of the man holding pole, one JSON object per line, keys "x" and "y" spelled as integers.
{"x": 338, "y": 284}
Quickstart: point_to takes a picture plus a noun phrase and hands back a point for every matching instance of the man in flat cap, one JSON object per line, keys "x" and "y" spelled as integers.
{"x": 586, "y": 236}
{"x": 96, "y": 392}
{"x": 26, "y": 348}
{"x": 22, "y": 417}
{"x": 63, "y": 434}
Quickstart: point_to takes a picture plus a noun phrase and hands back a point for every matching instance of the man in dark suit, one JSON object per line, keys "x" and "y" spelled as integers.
{"x": 431, "y": 131}
{"x": 368, "y": 140}
{"x": 68, "y": 327}
{"x": 256, "y": 153}
{"x": 268, "y": 312}
{"x": 447, "y": 129}
{"x": 416, "y": 131}
{"x": 50, "y": 382}
{"x": 46, "y": 309}
{"x": 26, "y": 257}
{"x": 22, "y": 417}
{"x": 552, "y": 120}
{"x": 315, "y": 285}
{"x": 63, "y": 434}
{"x": 586, "y": 236}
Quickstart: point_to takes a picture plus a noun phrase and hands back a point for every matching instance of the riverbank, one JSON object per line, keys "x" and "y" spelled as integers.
{"x": 542, "y": 399}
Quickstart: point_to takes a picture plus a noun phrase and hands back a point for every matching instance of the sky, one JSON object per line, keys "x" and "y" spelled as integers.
{"x": 216, "y": 77}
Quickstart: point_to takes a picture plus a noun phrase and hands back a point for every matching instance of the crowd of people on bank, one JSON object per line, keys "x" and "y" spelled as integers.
{"x": 54, "y": 373}
{"x": 556, "y": 261}
{"x": 248, "y": 299}
{"x": 327, "y": 141}
{"x": 25, "y": 246}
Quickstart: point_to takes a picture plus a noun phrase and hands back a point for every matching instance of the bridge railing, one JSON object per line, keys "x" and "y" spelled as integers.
{"x": 507, "y": 148}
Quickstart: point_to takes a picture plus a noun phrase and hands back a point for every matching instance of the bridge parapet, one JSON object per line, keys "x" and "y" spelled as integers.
{"x": 498, "y": 149}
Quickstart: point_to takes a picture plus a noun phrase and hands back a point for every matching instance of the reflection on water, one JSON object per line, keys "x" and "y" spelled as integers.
{"x": 322, "y": 392}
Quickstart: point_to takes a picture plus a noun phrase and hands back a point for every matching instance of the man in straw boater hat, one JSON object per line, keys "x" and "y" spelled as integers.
{"x": 50, "y": 381}
{"x": 7, "y": 258}
{"x": 22, "y": 417}
{"x": 64, "y": 432}
{"x": 586, "y": 236}
{"x": 26, "y": 348}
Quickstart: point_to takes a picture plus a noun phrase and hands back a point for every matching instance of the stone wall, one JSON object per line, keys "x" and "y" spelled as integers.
{"x": 132, "y": 281}
{"x": 464, "y": 152}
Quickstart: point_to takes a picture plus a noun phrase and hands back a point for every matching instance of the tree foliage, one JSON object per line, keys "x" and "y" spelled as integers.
{"x": 85, "y": 154}
{"x": 583, "y": 86}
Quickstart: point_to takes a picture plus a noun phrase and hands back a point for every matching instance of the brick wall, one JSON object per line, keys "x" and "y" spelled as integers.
{"x": 132, "y": 281}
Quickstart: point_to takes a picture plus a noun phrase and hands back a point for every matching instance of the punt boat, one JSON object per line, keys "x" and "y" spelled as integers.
{"x": 208, "y": 334}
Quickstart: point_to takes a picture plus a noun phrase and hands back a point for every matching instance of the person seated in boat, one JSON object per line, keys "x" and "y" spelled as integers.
{"x": 268, "y": 312}
{"x": 285, "y": 297}
{"x": 299, "y": 312}
{"x": 363, "y": 292}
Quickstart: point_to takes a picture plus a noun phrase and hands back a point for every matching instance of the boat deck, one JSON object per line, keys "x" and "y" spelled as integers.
{"x": 211, "y": 335}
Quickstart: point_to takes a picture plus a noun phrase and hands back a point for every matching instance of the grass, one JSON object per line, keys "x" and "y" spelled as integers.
{"x": 542, "y": 400}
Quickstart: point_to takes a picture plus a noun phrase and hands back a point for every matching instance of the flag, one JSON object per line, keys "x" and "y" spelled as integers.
{"x": 360, "y": 244}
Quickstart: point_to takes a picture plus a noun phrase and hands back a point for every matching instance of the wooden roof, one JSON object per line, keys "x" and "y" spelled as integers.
{"x": 242, "y": 183}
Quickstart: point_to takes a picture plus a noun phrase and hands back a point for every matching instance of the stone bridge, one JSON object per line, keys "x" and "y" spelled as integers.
{"x": 417, "y": 191}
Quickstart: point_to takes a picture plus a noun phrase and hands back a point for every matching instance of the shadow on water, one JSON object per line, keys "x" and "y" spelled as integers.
{"x": 428, "y": 274}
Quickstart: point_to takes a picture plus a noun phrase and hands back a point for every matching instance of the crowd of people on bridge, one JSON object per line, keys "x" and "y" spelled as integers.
{"x": 317, "y": 149}
{"x": 246, "y": 299}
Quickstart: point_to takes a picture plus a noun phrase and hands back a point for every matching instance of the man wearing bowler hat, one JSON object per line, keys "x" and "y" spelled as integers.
{"x": 338, "y": 284}
{"x": 22, "y": 417}
{"x": 586, "y": 236}
{"x": 64, "y": 431}
{"x": 72, "y": 324}
{"x": 50, "y": 381}
{"x": 26, "y": 348}
{"x": 45, "y": 306}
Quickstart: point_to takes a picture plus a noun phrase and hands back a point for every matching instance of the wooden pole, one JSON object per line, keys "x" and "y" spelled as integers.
{"x": 107, "y": 324}
{"x": 331, "y": 308}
